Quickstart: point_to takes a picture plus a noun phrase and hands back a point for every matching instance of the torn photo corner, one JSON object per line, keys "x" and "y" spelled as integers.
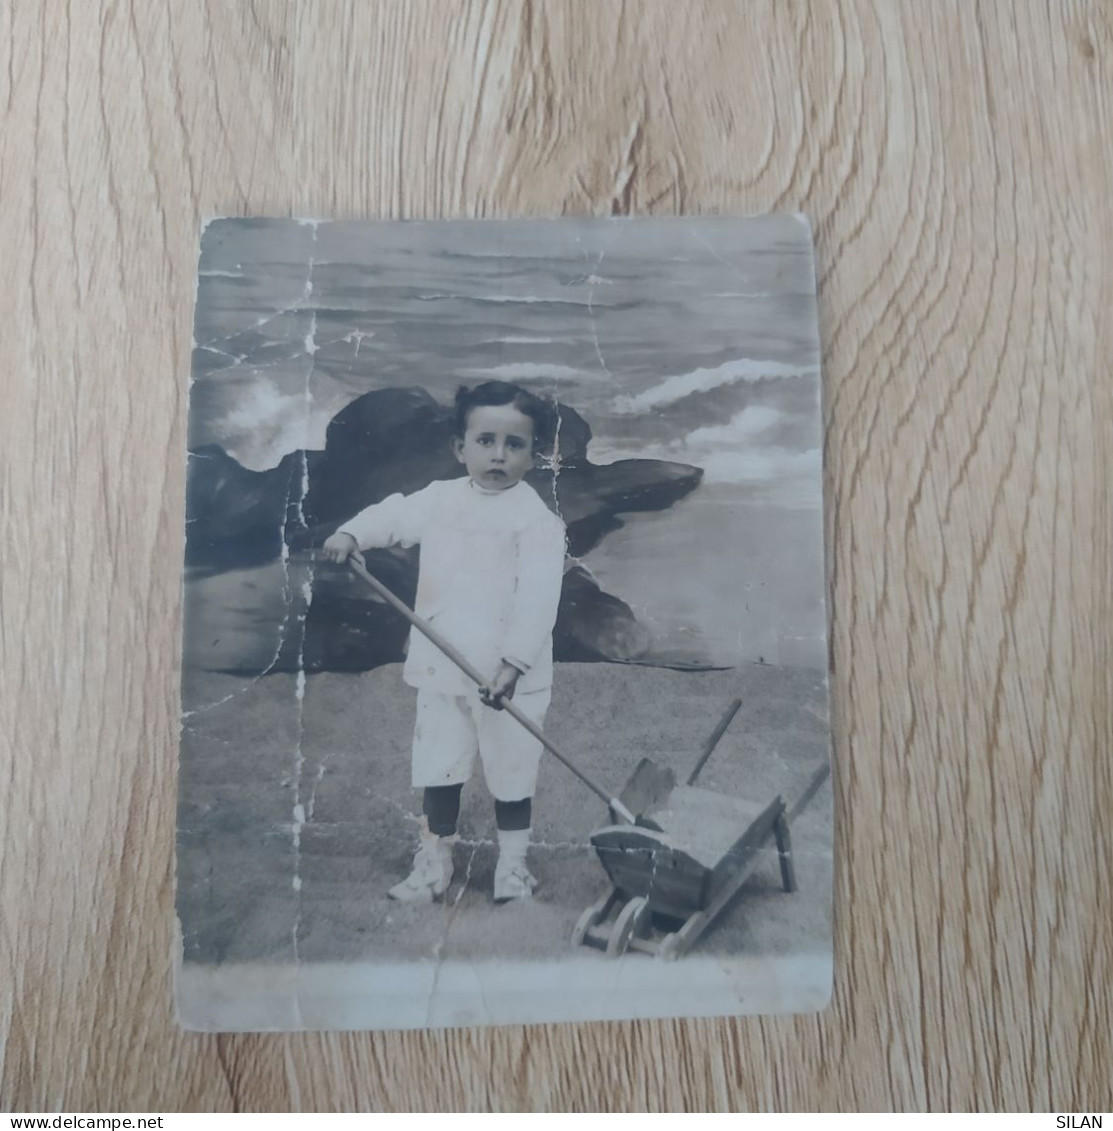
{"x": 504, "y": 679}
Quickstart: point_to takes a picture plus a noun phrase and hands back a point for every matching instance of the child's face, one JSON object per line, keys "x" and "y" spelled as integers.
{"x": 497, "y": 448}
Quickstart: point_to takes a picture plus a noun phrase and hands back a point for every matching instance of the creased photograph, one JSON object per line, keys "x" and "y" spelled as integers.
{"x": 504, "y": 669}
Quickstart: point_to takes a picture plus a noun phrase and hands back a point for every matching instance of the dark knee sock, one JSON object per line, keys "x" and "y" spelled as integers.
{"x": 441, "y": 806}
{"x": 512, "y": 816}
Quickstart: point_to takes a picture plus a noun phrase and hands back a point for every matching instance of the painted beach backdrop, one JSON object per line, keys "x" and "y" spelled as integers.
{"x": 687, "y": 340}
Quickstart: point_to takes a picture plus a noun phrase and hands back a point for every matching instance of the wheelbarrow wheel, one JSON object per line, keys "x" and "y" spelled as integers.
{"x": 592, "y": 917}
{"x": 629, "y": 922}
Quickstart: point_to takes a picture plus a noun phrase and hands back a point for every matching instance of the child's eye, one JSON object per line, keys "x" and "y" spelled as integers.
{"x": 515, "y": 444}
{"x": 485, "y": 441}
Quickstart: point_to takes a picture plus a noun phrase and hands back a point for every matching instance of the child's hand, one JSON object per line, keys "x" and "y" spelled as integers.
{"x": 339, "y": 547}
{"x": 501, "y": 687}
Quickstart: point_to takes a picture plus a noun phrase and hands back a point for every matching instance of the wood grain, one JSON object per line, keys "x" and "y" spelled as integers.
{"x": 954, "y": 158}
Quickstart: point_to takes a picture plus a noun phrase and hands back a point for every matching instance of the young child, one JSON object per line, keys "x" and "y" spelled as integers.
{"x": 489, "y": 580}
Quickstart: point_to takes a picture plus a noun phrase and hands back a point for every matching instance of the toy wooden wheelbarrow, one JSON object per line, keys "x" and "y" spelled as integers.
{"x": 690, "y": 853}
{"x": 682, "y": 853}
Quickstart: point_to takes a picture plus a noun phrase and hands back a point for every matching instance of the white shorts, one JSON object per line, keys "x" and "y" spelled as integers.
{"x": 451, "y": 730}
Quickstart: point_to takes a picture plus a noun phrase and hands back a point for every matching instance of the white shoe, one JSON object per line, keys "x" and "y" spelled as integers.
{"x": 513, "y": 881}
{"x": 432, "y": 871}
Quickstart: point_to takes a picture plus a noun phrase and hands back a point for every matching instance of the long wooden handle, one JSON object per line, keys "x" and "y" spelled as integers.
{"x": 461, "y": 661}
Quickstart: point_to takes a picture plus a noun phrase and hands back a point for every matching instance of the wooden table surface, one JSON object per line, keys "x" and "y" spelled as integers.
{"x": 954, "y": 158}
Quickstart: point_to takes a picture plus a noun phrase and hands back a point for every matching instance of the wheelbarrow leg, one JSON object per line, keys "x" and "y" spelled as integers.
{"x": 677, "y": 943}
{"x": 784, "y": 851}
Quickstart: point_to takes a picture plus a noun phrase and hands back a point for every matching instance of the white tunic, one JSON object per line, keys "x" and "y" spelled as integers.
{"x": 489, "y": 578}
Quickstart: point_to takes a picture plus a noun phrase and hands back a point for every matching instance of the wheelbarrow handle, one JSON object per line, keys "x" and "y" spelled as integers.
{"x": 713, "y": 741}
{"x": 810, "y": 790}
{"x": 461, "y": 661}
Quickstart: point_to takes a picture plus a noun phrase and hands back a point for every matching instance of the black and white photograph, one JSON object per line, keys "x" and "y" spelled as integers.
{"x": 505, "y": 663}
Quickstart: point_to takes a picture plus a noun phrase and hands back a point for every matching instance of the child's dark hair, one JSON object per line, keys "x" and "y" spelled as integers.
{"x": 541, "y": 410}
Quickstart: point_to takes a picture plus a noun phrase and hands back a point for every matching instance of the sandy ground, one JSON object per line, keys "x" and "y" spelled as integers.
{"x": 296, "y": 813}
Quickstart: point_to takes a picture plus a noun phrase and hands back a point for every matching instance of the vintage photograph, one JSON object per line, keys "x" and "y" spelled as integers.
{"x": 504, "y": 671}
